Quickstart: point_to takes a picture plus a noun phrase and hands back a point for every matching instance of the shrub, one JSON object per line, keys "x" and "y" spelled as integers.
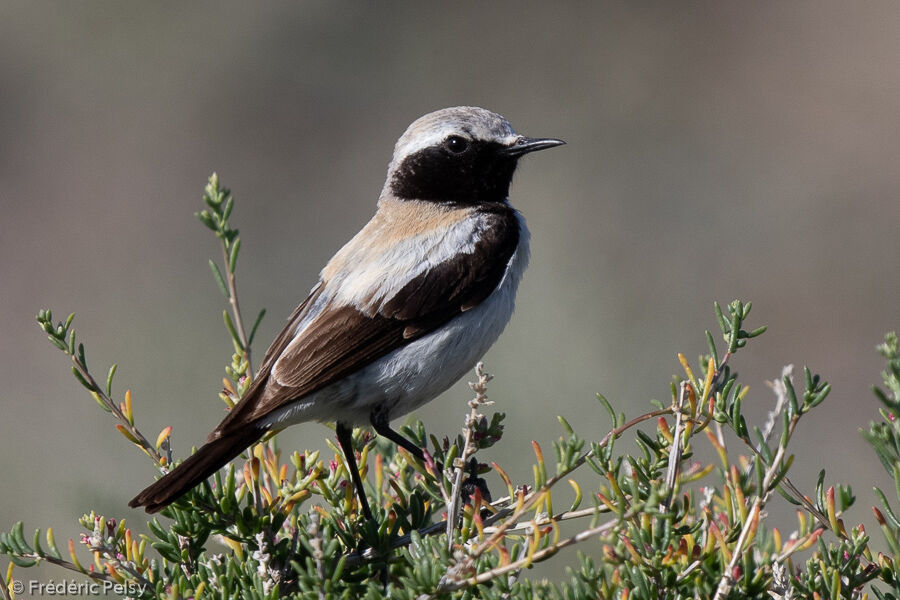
{"x": 660, "y": 524}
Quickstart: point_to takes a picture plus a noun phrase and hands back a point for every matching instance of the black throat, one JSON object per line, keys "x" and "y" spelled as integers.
{"x": 479, "y": 175}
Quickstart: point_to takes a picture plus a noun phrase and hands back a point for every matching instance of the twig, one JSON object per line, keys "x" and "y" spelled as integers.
{"x": 537, "y": 494}
{"x": 149, "y": 448}
{"x": 690, "y": 568}
{"x": 95, "y": 575}
{"x": 676, "y": 450}
{"x": 480, "y": 399}
{"x": 449, "y": 585}
{"x": 545, "y": 519}
{"x": 780, "y": 391}
{"x": 5, "y": 586}
{"x": 315, "y": 542}
{"x": 236, "y": 307}
{"x": 357, "y": 558}
{"x": 750, "y": 525}
{"x": 797, "y": 494}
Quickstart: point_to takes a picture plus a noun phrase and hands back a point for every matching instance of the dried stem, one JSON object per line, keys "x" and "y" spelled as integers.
{"x": 315, "y": 542}
{"x": 448, "y": 585}
{"x": 480, "y": 399}
{"x": 676, "y": 450}
{"x": 781, "y": 399}
{"x": 527, "y": 526}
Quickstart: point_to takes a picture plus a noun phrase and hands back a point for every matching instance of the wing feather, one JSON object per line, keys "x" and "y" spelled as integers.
{"x": 342, "y": 339}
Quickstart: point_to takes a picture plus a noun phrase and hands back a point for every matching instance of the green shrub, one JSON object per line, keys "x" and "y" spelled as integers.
{"x": 660, "y": 524}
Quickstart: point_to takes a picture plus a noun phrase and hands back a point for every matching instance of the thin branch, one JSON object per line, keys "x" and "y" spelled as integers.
{"x": 538, "y": 494}
{"x": 5, "y": 587}
{"x": 690, "y": 568}
{"x": 236, "y": 307}
{"x": 315, "y": 543}
{"x": 780, "y": 392}
{"x": 676, "y": 450}
{"x": 795, "y": 492}
{"x": 356, "y": 558}
{"x": 750, "y": 525}
{"x": 95, "y": 575}
{"x": 480, "y": 399}
{"x": 149, "y": 448}
{"x": 527, "y": 526}
{"x": 449, "y": 585}
{"x": 781, "y": 399}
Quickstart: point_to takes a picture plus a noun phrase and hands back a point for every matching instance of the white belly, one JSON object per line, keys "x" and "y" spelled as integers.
{"x": 418, "y": 372}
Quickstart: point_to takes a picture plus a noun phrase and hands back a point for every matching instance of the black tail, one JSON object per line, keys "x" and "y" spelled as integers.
{"x": 211, "y": 457}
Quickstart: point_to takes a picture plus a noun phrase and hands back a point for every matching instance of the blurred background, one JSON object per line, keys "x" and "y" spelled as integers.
{"x": 714, "y": 151}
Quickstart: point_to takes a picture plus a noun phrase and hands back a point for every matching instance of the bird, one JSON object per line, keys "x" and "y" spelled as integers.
{"x": 402, "y": 311}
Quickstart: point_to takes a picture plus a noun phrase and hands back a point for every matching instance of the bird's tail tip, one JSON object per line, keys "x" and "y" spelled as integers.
{"x": 208, "y": 459}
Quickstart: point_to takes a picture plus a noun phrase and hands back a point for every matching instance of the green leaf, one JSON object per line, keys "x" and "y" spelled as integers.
{"x": 233, "y": 255}
{"x": 51, "y": 543}
{"x": 820, "y": 491}
{"x": 888, "y": 513}
{"x": 783, "y": 471}
{"x": 609, "y": 409}
{"x": 788, "y": 497}
{"x": 168, "y": 551}
{"x": 154, "y": 526}
{"x": 229, "y": 206}
{"x": 22, "y": 562}
{"x": 81, "y": 379}
{"x": 793, "y": 408}
{"x": 339, "y": 569}
{"x": 256, "y": 323}
{"x": 205, "y": 218}
{"x": 109, "y": 378}
{"x": 712, "y": 347}
{"x": 217, "y": 275}
{"x": 36, "y": 543}
{"x": 232, "y": 330}
{"x": 820, "y": 396}
{"x": 18, "y": 538}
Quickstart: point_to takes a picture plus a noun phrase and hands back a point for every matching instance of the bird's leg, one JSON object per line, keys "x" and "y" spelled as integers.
{"x": 382, "y": 423}
{"x": 344, "y": 436}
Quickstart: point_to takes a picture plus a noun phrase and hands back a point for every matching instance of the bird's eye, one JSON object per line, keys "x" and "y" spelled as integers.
{"x": 456, "y": 144}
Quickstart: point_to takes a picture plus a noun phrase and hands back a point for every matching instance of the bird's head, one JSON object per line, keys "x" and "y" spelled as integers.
{"x": 463, "y": 155}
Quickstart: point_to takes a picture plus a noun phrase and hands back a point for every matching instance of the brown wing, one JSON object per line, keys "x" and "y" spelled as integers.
{"x": 237, "y": 415}
{"x": 342, "y": 340}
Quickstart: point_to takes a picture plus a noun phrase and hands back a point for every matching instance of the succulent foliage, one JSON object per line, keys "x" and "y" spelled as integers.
{"x": 651, "y": 523}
